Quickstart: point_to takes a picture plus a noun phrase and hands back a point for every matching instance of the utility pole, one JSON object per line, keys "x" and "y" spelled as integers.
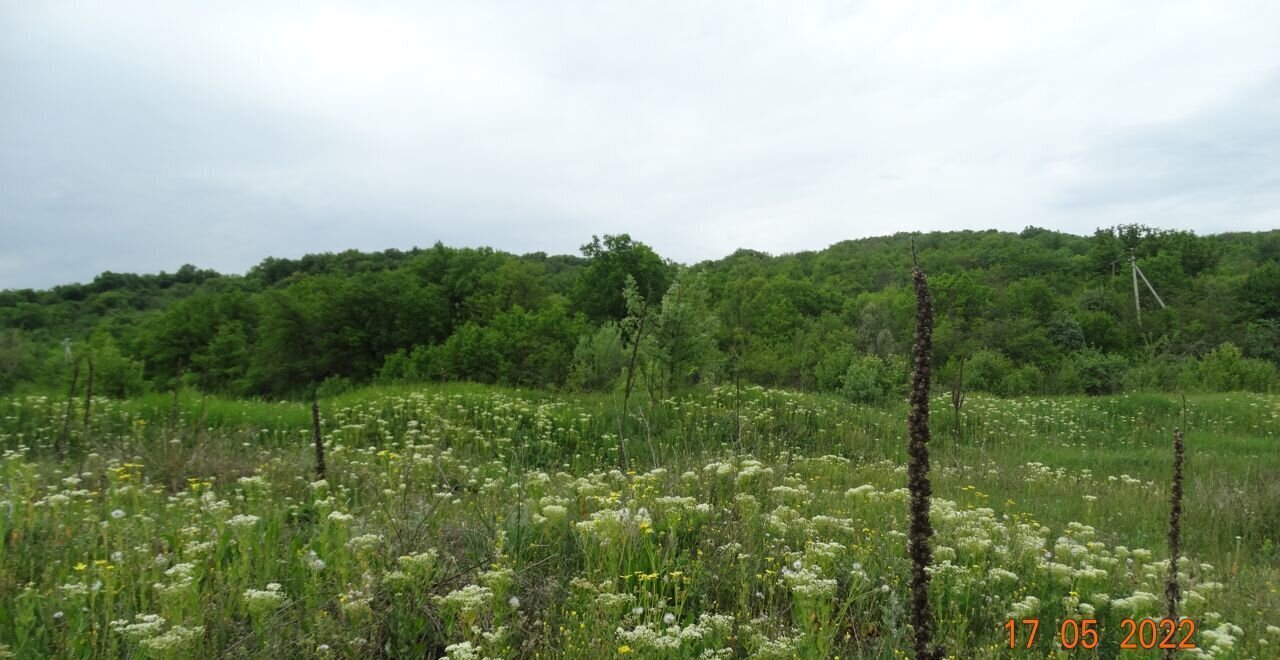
{"x": 1133, "y": 266}
{"x": 1137, "y": 272}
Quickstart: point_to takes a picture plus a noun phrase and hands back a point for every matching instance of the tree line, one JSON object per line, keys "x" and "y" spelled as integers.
{"x": 1035, "y": 312}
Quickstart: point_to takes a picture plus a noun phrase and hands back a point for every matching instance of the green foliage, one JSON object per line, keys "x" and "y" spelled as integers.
{"x": 1260, "y": 293}
{"x": 1029, "y": 298}
{"x": 517, "y": 348}
{"x": 1101, "y": 331}
{"x": 873, "y": 379}
{"x": 1041, "y": 311}
{"x": 17, "y": 360}
{"x": 114, "y": 373}
{"x": 961, "y": 297}
{"x": 598, "y": 358}
{"x": 1225, "y": 369}
{"x": 1026, "y": 379}
{"x": 598, "y": 292}
{"x": 333, "y": 386}
{"x": 224, "y": 362}
{"x": 1262, "y": 340}
{"x": 683, "y": 347}
{"x": 829, "y": 372}
{"x": 1156, "y": 373}
{"x": 456, "y": 516}
{"x": 1065, "y": 332}
{"x": 986, "y": 370}
{"x": 1098, "y": 372}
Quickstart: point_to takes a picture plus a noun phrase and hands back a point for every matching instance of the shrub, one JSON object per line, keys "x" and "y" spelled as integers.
{"x": 598, "y": 358}
{"x": 830, "y": 371}
{"x": 872, "y": 379}
{"x": 1155, "y": 374}
{"x": 396, "y": 367}
{"x": 1098, "y": 372}
{"x": 986, "y": 371}
{"x": 1065, "y": 332}
{"x": 1065, "y": 380}
{"x": 333, "y": 386}
{"x": 1022, "y": 381}
{"x": 1225, "y": 369}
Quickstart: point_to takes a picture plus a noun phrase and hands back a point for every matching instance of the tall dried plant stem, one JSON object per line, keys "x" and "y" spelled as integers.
{"x": 921, "y": 531}
{"x": 319, "y": 439}
{"x": 630, "y": 385}
{"x": 88, "y": 397}
{"x": 60, "y": 444}
{"x": 177, "y": 392}
{"x": 1175, "y": 532}
{"x": 957, "y": 399}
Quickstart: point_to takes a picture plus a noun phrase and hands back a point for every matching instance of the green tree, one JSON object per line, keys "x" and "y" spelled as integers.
{"x": 114, "y": 373}
{"x": 598, "y": 358}
{"x": 1065, "y": 332}
{"x": 17, "y": 361}
{"x": 598, "y": 292}
{"x": 184, "y": 329}
{"x": 224, "y": 363}
{"x": 873, "y": 379}
{"x": 1098, "y": 372}
{"x": 1260, "y": 293}
{"x": 1225, "y": 369}
{"x": 684, "y": 347}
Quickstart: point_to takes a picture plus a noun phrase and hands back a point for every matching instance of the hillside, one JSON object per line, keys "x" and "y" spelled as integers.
{"x": 1033, "y": 312}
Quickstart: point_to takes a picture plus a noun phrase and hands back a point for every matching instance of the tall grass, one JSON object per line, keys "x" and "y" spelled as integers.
{"x": 442, "y": 504}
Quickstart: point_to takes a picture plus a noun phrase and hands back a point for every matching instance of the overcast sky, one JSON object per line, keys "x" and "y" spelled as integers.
{"x": 138, "y": 137}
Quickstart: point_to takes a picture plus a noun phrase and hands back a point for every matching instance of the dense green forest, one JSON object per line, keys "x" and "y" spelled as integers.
{"x": 1027, "y": 313}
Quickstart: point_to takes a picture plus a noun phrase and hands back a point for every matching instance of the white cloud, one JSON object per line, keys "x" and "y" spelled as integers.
{"x": 699, "y": 128}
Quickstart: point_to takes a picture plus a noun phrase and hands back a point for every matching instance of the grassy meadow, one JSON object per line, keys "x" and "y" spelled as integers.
{"x": 477, "y": 522}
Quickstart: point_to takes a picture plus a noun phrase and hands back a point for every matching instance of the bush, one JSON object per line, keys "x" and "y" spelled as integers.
{"x": 1065, "y": 332}
{"x": 114, "y": 373}
{"x": 1159, "y": 373}
{"x": 1225, "y": 369}
{"x": 872, "y": 379}
{"x": 1065, "y": 380}
{"x": 1022, "y": 381}
{"x": 17, "y": 360}
{"x": 830, "y": 371}
{"x": 986, "y": 371}
{"x": 1098, "y": 372}
{"x": 333, "y": 386}
{"x": 396, "y": 368}
{"x": 598, "y": 359}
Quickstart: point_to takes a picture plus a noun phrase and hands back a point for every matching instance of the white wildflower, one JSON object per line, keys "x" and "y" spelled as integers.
{"x": 243, "y": 520}
{"x": 471, "y": 598}
{"x": 260, "y": 601}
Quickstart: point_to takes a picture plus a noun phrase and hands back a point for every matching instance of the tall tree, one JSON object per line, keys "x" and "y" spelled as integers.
{"x": 684, "y": 333}
{"x": 598, "y": 292}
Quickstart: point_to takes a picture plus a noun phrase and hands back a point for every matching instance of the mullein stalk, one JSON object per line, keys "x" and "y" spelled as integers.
{"x": 630, "y": 384}
{"x": 177, "y": 392}
{"x": 64, "y": 438}
{"x": 921, "y": 531}
{"x": 1175, "y": 532}
{"x": 88, "y": 398}
{"x": 957, "y": 400}
{"x": 319, "y": 439}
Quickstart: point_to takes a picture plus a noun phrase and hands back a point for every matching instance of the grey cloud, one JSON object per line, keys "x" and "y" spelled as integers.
{"x": 141, "y": 136}
{"x": 1229, "y": 152}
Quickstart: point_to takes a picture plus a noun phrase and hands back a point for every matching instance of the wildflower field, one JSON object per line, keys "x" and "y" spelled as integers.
{"x": 470, "y": 522}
